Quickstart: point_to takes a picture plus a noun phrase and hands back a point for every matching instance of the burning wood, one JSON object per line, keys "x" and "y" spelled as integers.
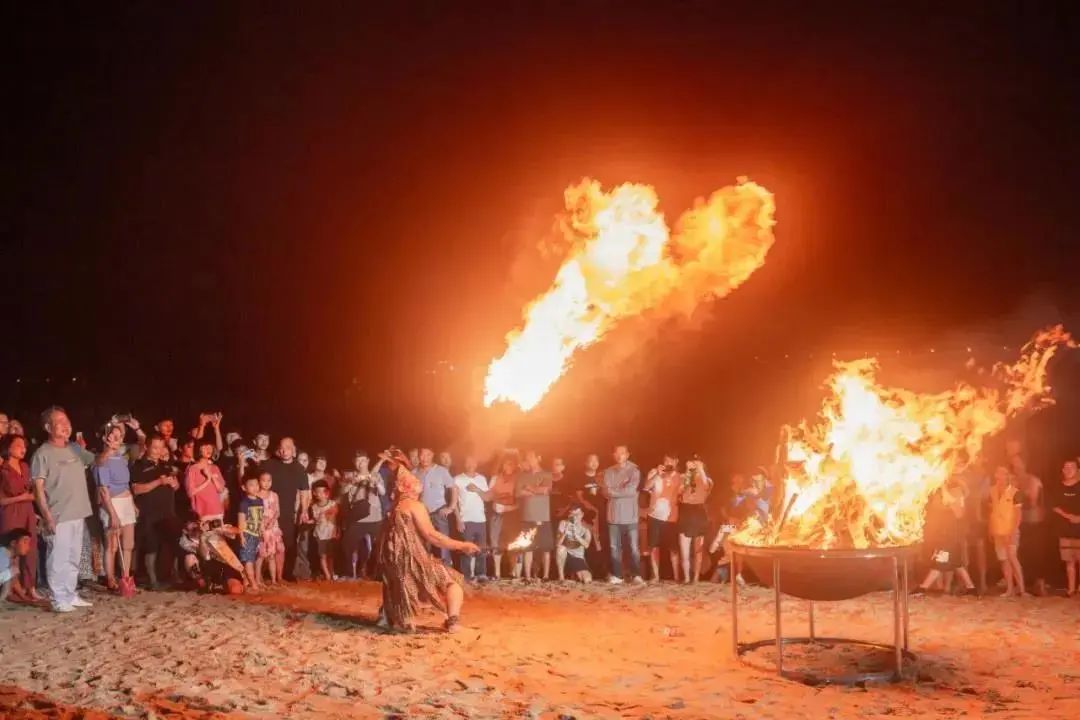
{"x": 861, "y": 475}
{"x": 522, "y": 541}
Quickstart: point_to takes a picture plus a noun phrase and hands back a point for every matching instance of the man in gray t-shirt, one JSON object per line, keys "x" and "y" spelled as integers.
{"x": 533, "y": 487}
{"x": 58, "y": 469}
{"x": 621, "y": 484}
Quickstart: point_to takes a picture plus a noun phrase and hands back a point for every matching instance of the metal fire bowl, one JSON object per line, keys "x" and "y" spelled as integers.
{"x": 815, "y": 574}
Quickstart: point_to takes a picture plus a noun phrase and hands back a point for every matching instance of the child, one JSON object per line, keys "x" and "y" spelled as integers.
{"x": 16, "y": 546}
{"x": 190, "y": 540}
{"x": 272, "y": 547}
{"x": 251, "y": 527}
{"x": 324, "y": 511}
{"x": 574, "y": 538}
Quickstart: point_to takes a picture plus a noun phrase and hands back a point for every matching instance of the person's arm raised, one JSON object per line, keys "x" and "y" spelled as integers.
{"x": 430, "y": 535}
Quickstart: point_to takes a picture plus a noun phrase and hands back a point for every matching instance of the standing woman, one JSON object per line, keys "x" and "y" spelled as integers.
{"x": 693, "y": 520}
{"x": 410, "y": 574}
{"x": 17, "y": 505}
{"x": 116, "y": 503}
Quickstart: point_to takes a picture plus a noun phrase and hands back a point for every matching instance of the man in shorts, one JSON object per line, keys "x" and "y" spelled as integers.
{"x": 1066, "y": 507}
{"x": 664, "y": 484}
{"x": 533, "y": 489}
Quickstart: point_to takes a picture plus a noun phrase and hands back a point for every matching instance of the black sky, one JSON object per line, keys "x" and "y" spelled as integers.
{"x": 296, "y": 213}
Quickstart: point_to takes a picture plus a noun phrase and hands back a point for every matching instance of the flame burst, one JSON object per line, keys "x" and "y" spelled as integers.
{"x": 862, "y": 475}
{"x": 624, "y": 262}
{"x": 523, "y": 540}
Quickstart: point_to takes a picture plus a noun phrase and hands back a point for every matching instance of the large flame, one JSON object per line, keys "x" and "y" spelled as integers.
{"x": 862, "y": 475}
{"x": 624, "y": 262}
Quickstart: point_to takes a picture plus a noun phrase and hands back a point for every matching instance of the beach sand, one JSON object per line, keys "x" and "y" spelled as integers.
{"x": 550, "y": 651}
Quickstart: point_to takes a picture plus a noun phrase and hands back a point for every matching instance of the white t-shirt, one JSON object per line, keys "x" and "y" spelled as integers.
{"x": 470, "y": 505}
{"x": 8, "y": 570}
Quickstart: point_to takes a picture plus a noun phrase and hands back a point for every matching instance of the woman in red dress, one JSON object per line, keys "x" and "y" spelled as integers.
{"x": 411, "y": 576}
{"x": 17, "y": 504}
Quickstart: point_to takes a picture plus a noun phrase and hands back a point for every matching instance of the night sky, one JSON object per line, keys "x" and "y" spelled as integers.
{"x": 295, "y": 216}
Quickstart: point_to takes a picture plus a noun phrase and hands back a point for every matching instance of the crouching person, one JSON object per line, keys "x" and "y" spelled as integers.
{"x": 574, "y": 540}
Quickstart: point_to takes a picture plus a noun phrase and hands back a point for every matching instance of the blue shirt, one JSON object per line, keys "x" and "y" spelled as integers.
{"x": 114, "y": 475}
{"x": 435, "y": 481}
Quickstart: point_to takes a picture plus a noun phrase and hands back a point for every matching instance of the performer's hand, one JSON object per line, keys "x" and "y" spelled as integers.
{"x": 470, "y": 548}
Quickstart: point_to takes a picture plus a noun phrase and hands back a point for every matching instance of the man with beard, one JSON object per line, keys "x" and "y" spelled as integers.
{"x": 154, "y": 483}
{"x": 291, "y": 484}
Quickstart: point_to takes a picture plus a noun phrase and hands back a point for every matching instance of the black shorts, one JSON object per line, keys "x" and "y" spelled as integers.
{"x": 544, "y": 540}
{"x": 663, "y": 534}
{"x": 693, "y": 520}
{"x": 353, "y": 537}
{"x": 326, "y": 547}
{"x": 152, "y": 534}
{"x": 575, "y": 565}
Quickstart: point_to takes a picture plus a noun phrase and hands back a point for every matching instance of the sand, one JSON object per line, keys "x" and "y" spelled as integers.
{"x": 549, "y": 651}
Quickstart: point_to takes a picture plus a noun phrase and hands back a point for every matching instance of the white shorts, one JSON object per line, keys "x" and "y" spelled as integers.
{"x": 125, "y": 511}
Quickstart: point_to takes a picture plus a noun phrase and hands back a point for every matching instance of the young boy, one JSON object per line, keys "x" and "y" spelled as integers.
{"x": 250, "y": 522}
{"x": 324, "y": 511}
{"x": 16, "y": 545}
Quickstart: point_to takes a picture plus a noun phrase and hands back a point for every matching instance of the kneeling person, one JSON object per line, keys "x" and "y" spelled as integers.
{"x": 574, "y": 539}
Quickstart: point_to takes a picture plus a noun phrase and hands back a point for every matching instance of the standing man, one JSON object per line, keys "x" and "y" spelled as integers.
{"x": 664, "y": 485}
{"x": 1066, "y": 508}
{"x": 154, "y": 483}
{"x": 534, "y": 490}
{"x": 58, "y": 469}
{"x": 621, "y": 483}
{"x": 435, "y": 480}
{"x": 165, "y": 427}
{"x": 471, "y": 520}
{"x": 290, "y": 482}
{"x": 587, "y": 493}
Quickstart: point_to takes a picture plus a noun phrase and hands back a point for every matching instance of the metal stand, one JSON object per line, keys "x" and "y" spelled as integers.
{"x": 899, "y": 648}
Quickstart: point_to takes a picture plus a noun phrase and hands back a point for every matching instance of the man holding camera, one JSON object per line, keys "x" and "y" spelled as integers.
{"x": 664, "y": 484}
{"x": 154, "y": 482}
{"x": 361, "y": 512}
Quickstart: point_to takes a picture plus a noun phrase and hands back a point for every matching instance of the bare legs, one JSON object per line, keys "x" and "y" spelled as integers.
{"x": 691, "y": 549}
{"x": 560, "y": 562}
{"x": 1072, "y": 569}
{"x": 1014, "y": 574}
{"x": 123, "y": 541}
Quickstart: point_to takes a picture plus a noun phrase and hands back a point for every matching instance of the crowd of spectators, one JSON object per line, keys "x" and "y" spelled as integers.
{"x": 209, "y": 510}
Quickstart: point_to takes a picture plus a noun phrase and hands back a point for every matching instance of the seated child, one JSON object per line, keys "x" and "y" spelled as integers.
{"x": 16, "y": 545}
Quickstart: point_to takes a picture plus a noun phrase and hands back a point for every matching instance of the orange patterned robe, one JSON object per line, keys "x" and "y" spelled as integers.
{"x": 411, "y": 576}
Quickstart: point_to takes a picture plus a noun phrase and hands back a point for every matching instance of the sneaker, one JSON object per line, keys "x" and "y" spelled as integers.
{"x": 638, "y": 580}
{"x": 63, "y": 608}
{"x": 79, "y": 602}
{"x": 613, "y": 580}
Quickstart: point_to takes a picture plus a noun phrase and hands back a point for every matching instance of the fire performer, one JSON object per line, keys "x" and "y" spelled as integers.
{"x": 410, "y": 575}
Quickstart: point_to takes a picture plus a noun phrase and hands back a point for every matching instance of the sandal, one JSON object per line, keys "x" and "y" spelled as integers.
{"x": 111, "y": 584}
{"x": 452, "y": 624}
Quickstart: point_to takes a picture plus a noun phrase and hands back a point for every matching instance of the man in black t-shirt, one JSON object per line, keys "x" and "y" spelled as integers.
{"x": 584, "y": 488}
{"x": 154, "y": 481}
{"x": 291, "y": 485}
{"x": 1066, "y": 508}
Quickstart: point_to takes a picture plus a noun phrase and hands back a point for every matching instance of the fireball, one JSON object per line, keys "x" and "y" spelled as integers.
{"x": 624, "y": 262}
